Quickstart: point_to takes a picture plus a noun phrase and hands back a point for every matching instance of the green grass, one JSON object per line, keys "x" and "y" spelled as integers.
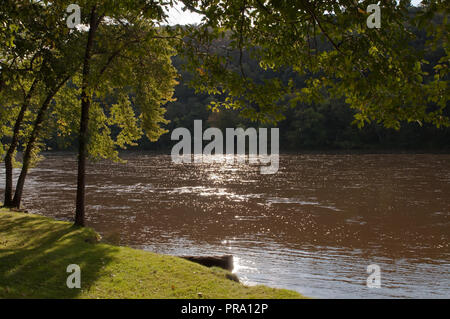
{"x": 35, "y": 252}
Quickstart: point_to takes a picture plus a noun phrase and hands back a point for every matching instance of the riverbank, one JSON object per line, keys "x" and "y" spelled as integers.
{"x": 35, "y": 252}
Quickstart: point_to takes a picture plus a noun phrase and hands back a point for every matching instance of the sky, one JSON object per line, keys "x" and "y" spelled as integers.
{"x": 177, "y": 16}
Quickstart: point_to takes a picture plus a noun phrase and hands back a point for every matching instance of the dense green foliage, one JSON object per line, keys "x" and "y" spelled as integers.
{"x": 377, "y": 72}
{"x": 326, "y": 124}
{"x": 55, "y": 79}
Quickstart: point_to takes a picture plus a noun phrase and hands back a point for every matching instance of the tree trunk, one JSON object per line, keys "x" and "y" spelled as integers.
{"x": 12, "y": 148}
{"x": 26, "y": 161}
{"x": 29, "y": 151}
{"x": 7, "y": 202}
{"x": 84, "y": 123}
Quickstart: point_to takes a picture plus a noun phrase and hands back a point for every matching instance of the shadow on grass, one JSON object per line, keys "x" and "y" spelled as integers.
{"x": 35, "y": 253}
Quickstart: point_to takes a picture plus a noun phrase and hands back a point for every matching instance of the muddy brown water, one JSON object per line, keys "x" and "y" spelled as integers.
{"x": 313, "y": 227}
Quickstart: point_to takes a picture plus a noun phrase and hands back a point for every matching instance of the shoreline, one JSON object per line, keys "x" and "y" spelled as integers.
{"x": 36, "y": 250}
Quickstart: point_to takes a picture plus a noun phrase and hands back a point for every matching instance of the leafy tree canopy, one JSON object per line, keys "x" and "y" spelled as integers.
{"x": 378, "y": 72}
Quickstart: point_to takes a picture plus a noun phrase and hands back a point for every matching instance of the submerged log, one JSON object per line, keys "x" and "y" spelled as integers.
{"x": 225, "y": 262}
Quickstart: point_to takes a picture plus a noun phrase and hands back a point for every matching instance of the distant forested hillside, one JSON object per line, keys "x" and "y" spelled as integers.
{"x": 324, "y": 125}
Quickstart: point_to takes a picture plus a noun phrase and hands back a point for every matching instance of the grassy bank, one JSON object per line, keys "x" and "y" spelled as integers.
{"x": 35, "y": 252}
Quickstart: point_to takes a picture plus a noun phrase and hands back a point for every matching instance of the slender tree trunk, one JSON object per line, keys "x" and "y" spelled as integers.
{"x": 84, "y": 123}
{"x": 29, "y": 151}
{"x": 26, "y": 161}
{"x": 13, "y": 146}
{"x": 7, "y": 202}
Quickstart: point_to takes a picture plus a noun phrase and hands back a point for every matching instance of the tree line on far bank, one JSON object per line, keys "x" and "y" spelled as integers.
{"x": 325, "y": 125}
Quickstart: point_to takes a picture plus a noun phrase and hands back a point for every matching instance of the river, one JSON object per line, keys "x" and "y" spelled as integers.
{"x": 313, "y": 227}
